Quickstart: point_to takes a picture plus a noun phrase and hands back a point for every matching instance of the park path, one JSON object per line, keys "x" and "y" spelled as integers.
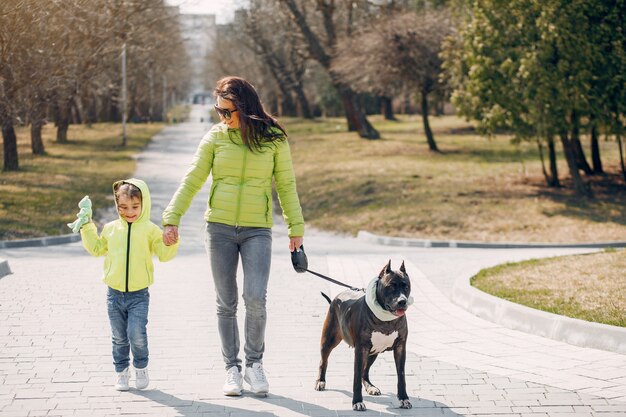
{"x": 55, "y": 340}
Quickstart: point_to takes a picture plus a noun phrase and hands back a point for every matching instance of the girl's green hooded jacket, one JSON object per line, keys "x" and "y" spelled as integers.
{"x": 241, "y": 190}
{"x": 129, "y": 247}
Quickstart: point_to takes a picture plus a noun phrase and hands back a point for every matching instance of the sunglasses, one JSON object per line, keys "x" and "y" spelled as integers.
{"x": 225, "y": 113}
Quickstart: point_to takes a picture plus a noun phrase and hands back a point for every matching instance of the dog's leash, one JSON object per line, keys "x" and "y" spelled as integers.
{"x": 334, "y": 281}
{"x": 301, "y": 264}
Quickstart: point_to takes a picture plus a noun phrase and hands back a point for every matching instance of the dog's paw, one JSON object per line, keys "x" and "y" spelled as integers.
{"x": 320, "y": 385}
{"x": 372, "y": 390}
{"x": 359, "y": 407}
{"x": 405, "y": 404}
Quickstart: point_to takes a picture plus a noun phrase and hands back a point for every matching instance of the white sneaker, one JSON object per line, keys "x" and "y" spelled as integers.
{"x": 255, "y": 376}
{"x": 141, "y": 378}
{"x": 122, "y": 380}
{"x": 234, "y": 382}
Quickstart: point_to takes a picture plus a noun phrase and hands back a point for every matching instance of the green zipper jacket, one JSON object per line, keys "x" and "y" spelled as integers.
{"x": 241, "y": 191}
{"x": 129, "y": 247}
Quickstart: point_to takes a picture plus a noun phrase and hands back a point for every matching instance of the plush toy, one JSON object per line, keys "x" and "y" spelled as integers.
{"x": 83, "y": 216}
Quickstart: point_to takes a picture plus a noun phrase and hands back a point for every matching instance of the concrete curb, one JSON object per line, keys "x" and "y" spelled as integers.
{"x": 427, "y": 243}
{"x": 4, "y": 268}
{"x": 41, "y": 241}
{"x": 518, "y": 317}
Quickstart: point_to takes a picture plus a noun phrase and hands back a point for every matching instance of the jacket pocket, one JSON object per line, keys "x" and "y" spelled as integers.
{"x": 268, "y": 207}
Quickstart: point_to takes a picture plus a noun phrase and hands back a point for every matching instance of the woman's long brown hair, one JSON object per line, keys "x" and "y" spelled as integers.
{"x": 256, "y": 125}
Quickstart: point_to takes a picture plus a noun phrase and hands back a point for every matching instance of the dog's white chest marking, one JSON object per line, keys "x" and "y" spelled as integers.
{"x": 381, "y": 341}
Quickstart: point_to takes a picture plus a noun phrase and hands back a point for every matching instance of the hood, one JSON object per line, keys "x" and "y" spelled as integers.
{"x": 146, "y": 202}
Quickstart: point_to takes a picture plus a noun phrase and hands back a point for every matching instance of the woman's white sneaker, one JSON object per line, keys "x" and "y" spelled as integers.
{"x": 234, "y": 382}
{"x": 255, "y": 376}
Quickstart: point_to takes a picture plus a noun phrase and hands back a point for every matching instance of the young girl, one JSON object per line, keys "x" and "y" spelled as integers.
{"x": 128, "y": 243}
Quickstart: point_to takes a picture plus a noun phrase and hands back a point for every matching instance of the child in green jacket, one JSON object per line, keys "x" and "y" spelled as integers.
{"x": 128, "y": 244}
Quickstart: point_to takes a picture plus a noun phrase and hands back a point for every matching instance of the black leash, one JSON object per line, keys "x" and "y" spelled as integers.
{"x": 334, "y": 281}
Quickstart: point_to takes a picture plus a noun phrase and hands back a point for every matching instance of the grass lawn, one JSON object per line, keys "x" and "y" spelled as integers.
{"x": 588, "y": 287}
{"x": 42, "y": 197}
{"x": 475, "y": 189}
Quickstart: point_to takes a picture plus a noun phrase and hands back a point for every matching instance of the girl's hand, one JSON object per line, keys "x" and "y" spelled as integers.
{"x": 170, "y": 234}
{"x": 295, "y": 242}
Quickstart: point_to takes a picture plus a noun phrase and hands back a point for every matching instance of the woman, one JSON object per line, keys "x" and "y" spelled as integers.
{"x": 244, "y": 152}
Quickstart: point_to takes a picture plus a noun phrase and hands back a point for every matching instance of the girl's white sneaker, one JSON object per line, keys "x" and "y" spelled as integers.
{"x": 142, "y": 380}
{"x": 122, "y": 380}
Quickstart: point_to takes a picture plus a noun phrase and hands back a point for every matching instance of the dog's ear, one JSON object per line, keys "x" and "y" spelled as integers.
{"x": 385, "y": 270}
{"x": 402, "y": 268}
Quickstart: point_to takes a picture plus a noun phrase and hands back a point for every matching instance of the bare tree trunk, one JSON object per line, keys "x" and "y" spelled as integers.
{"x": 543, "y": 163}
{"x": 36, "y": 142}
{"x": 621, "y": 155}
{"x": 303, "y": 102}
{"x": 581, "y": 188}
{"x": 581, "y": 160}
{"x": 595, "y": 150}
{"x": 287, "y": 105}
{"x": 9, "y": 145}
{"x": 432, "y": 145}
{"x": 386, "y": 108}
{"x": 354, "y": 115}
{"x": 38, "y": 120}
{"x": 62, "y": 121}
{"x": 554, "y": 169}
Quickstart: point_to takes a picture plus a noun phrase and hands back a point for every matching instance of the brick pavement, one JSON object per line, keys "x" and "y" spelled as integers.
{"x": 55, "y": 342}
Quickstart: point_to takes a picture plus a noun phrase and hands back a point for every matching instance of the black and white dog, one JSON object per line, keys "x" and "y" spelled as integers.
{"x": 370, "y": 322}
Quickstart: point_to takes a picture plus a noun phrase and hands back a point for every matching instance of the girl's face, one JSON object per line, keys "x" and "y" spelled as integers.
{"x": 129, "y": 208}
{"x": 226, "y": 108}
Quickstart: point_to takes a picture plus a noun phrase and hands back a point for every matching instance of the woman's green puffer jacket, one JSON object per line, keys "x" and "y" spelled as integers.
{"x": 241, "y": 191}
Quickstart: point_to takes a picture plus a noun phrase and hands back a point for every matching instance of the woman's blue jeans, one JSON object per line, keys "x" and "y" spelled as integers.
{"x": 128, "y": 314}
{"x": 225, "y": 245}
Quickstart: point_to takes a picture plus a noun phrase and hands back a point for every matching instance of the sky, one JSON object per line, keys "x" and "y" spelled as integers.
{"x": 222, "y": 9}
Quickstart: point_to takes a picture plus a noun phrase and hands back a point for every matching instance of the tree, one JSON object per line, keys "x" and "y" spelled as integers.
{"x": 539, "y": 68}
{"x": 16, "y": 55}
{"x": 397, "y": 53}
{"x": 280, "y": 53}
{"x": 322, "y": 52}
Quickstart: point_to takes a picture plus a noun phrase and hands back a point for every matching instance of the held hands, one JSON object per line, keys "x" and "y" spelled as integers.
{"x": 83, "y": 216}
{"x": 170, "y": 235}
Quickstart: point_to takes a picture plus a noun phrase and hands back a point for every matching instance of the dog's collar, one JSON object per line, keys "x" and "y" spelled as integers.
{"x": 377, "y": 309}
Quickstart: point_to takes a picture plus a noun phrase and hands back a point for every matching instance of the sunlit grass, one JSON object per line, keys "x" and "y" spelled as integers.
{"x": 477, "y": 188}
{"x": 587, "y": 287}
{"x": 42, "y": 197}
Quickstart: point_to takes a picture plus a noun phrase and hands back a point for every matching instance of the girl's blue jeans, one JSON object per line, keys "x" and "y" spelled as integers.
{"x": 225, "y": 246}
{"x": 128, "y": 314}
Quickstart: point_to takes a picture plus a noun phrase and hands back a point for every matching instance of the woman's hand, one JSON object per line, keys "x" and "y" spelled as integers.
{"x": 170, "y": 234}
{"x": 295, "y": 242}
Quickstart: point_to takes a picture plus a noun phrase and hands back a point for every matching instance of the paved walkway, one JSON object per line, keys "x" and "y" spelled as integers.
{"x": 55, "y": 340}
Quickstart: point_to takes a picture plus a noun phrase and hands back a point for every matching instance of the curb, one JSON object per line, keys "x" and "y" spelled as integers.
{"x": 428, "y": 243}
{"x": 4, "y": 268}
{"x": 529, "y": 320}
{"x": 41, "y": 241}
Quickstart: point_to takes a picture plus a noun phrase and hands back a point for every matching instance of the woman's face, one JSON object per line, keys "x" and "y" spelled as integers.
{"x": 227, "y": 108}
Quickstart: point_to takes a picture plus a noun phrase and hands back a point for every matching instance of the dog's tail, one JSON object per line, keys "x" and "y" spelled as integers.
{"x": 326, "y": 297}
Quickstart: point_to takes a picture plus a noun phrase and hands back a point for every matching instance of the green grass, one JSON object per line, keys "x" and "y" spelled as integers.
{"x": 42, "y": 197}
{"x": 587, "y": 287}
